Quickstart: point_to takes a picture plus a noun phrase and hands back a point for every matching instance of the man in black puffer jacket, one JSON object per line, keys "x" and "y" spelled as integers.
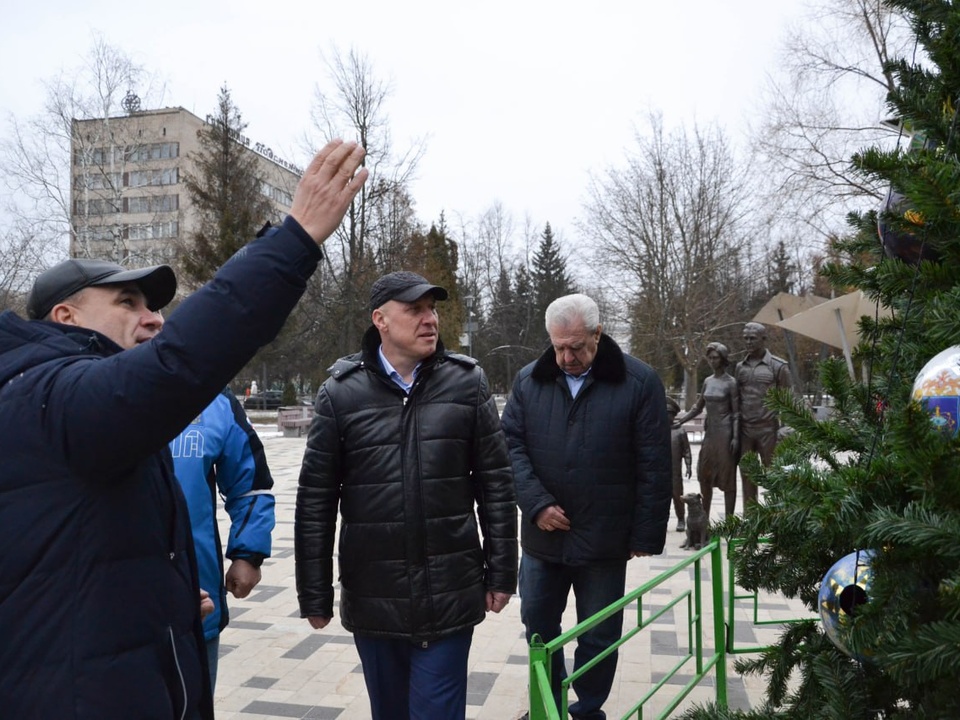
{"x": 99, "y": 598}
{"x": 407, "y": 444}
{"x": 590, "y": 444}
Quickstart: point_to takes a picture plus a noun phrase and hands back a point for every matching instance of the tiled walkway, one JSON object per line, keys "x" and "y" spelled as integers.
{"x": 273, "y": 665}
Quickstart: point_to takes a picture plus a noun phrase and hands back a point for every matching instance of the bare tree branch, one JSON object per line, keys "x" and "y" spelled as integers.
{"x": 668, "y": 229}
{"x": 35, "y": 159}
{"x": 827, "y": 104}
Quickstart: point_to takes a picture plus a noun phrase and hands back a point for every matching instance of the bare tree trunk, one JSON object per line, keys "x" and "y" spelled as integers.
{"x": 690, "y": 388}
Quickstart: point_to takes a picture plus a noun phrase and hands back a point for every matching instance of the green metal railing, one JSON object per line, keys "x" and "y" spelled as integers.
{"x": 542, "y": 704}
{"x": 733, "y": 596}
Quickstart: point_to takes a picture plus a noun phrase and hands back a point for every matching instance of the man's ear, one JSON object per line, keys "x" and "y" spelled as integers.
{"x": 63, "y": 314}
{"x": 599, "y": 330}
{"x": 378, "y": 319}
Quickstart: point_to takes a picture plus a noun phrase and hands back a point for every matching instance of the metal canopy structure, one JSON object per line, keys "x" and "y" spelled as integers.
{"x": 785, "y": 305}
{"x": 836, "y": 322}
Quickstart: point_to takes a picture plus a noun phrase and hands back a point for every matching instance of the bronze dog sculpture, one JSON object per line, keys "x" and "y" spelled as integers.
{"x": 697, "y": 522}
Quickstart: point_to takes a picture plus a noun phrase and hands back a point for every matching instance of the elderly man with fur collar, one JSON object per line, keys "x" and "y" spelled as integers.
{"x": 589, "y": 440}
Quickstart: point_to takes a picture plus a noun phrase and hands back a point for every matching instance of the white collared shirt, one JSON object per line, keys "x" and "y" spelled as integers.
{"x": 392, "y": 373}
{"x": 575, "y": 382}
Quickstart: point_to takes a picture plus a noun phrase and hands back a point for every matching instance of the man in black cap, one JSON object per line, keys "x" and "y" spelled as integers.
{"x": 99, "y": 600}
{"x": 406, "y": 444}
{"x": 97, "y": 294}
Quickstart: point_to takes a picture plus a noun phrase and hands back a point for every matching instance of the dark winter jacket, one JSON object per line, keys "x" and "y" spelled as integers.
{"x": 99, "y": 599}
{"x": 409, "y": 474}
{"x": 603, "y": 457}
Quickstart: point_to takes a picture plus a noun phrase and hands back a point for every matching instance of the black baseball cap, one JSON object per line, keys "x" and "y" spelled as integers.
{"x": 158, "y": 283}
{"x": 404, "y": 286}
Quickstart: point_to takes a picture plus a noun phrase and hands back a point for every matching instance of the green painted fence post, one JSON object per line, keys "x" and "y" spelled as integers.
{"x": 719, "y": 628}
{"x": 538, "y": 658}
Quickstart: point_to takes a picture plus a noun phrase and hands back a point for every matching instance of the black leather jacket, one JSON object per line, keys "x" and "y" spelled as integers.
{"x": 412, "y": 475}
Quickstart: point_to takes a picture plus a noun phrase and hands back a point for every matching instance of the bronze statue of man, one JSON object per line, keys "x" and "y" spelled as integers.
{"x": 756, "y": 374}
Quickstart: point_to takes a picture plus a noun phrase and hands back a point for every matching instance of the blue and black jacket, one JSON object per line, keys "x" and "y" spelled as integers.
{"x": 220, "y": 452}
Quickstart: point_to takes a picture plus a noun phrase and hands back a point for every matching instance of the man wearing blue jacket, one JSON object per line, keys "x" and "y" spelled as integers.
{"x": 99, "y": 596}
{"x": 220, "y": 452}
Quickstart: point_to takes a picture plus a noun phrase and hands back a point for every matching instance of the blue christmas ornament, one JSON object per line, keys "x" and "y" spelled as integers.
{"x": 843, "y": 590}
{"x": 897, "y": 241}
{"x": 937, "y": 389}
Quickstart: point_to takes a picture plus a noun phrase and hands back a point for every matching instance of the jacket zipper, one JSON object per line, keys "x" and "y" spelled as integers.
{"x": 176, "y": 662}
{"x": 428, "y": 600}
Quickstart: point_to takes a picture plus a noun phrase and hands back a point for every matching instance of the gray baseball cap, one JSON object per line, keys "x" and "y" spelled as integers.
{"x": 158, "y": 283}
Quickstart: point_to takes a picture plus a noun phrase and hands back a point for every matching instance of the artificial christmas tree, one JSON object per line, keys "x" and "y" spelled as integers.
{"x": 878, "y": 476}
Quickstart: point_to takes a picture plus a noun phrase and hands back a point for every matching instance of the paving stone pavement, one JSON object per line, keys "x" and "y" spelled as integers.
{"x": 273, "y": 665}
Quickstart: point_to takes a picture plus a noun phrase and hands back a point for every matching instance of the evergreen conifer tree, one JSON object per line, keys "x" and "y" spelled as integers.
{"x": 224, "y": 188}
{"x": 434, "y": 256}
{"x": 780, "y": 271}
{"x": 877, "y": 476}
{"x": 499, "y": 335}
{"x": 527, "y": 325}
{"x": 550, "y": 280}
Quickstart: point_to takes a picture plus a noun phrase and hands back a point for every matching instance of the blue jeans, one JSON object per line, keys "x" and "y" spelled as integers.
{"x": 413, "y": 681}
{"x": 213, "y": 658}
{"x": 544, "y": 587}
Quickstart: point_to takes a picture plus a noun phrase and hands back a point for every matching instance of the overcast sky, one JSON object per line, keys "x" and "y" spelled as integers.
{"x": 519, "y": 100}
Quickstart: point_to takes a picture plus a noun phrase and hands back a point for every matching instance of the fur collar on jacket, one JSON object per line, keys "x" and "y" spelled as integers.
{"x": 608, "y": 365}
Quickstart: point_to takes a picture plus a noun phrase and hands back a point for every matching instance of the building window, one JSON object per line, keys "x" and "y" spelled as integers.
{"x": 141, "y": 178}
{"x": 152, "y": 151}
{"x": 153, "y": 231}
{"x": 151, "y": 203}
{"x": 97, "y": 156}
{"x": 276, "y": 194}
{"x": 98, "y": 233}
{"x": 98, "y": 180}
{"x": 97, "y": 206}
{"x": 140, "y": 257}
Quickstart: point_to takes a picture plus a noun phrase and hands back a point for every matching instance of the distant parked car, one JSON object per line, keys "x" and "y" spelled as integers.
{"x": 266, "y": 400}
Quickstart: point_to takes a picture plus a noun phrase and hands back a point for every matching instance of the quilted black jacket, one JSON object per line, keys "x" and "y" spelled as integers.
{"x": 417, "y": 479}
{"x": 99, "y": 598}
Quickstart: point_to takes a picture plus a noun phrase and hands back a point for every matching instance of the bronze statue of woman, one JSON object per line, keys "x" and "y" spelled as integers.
{"x": 720, "y": 449}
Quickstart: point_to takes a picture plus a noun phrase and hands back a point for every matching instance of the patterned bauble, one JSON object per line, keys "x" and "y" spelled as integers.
{"x": 937, "y": 389}
{"x": 898, "y": 242}
{"x": 844, "y": 588}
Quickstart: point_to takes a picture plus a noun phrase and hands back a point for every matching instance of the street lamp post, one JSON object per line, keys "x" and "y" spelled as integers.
{"x": 507, "y": 356}
{"x": 471, "y": 325}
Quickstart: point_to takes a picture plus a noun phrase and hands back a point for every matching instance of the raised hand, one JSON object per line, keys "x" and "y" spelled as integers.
{"x": 327, "y": 188}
